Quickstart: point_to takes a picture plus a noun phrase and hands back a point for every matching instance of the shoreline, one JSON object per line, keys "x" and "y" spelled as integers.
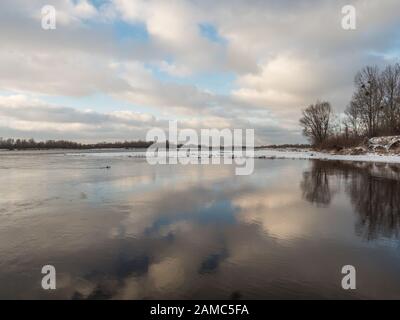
{"x": 259, "y": 153}
{"x": 318, "y": 155}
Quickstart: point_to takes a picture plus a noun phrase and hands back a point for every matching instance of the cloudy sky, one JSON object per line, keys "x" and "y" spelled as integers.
{"x": 113, "y": 69}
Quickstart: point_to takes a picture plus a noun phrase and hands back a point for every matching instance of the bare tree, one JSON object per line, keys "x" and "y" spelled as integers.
{"x": 353, "y": 118}
{"x": 368, "y": 98}
{"x": 374, "y": 110}
{"x": 391, "y": 88}
{"x": 316, "y": 121}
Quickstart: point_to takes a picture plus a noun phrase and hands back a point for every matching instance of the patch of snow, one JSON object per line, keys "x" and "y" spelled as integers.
{"x": 308, "y": 154}
{"x": 385, "y": 143}
{"x": 260, "y": 154}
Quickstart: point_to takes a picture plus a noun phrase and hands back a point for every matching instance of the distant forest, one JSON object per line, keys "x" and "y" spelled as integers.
{"x": 31, "y": 144}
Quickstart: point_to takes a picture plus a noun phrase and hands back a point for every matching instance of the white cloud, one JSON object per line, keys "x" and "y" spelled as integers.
{"x": 173, "y": 69}
{"x": 283, "y": 55}
{"x": 29, "y": 117}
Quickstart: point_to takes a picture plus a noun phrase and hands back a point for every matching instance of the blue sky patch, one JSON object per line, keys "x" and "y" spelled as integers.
{"x": 127, "y": 31}
{"x": 209, "y": 32}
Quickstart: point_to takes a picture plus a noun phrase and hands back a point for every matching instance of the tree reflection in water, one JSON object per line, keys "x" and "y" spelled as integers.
{"x": 315, "y": 184}
{"x": 373, "y": 188}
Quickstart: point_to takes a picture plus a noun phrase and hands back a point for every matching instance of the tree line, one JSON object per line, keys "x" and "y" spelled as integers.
{"x": 23, "y": 144}
{"x": 374, "y": 110}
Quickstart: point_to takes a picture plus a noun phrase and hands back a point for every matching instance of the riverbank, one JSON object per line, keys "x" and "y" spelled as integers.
{"x": 311, "y": 154}
{"x": 377, "y": 149}
{"x": 260, "y": 153}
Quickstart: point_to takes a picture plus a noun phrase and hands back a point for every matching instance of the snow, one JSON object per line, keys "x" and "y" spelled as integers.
{"x": 259, "y": 154}
{"x": 383, "y": 142}
{"x": 308, "y": 154}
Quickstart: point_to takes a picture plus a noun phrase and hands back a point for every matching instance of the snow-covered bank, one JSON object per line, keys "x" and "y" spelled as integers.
{"x": 388, "y": 143}
{"x": 258, "y": 154}
{"x": 378, "y": 149}
{"x": 309, "y": 154}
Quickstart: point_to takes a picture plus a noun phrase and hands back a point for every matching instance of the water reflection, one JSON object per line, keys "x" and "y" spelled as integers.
{"x": 144, "y": 232}
{"x": 315, "y": 184}
{"x": 374, "y": 190}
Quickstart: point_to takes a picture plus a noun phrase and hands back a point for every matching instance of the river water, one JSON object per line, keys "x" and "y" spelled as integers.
{"x": 140, "y": 231}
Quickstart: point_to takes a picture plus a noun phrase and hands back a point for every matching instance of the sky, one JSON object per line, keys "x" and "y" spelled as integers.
{"x": 114, "y": 69}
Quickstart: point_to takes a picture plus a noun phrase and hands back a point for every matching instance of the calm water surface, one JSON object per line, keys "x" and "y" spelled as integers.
{"x": 137, "y": 231}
